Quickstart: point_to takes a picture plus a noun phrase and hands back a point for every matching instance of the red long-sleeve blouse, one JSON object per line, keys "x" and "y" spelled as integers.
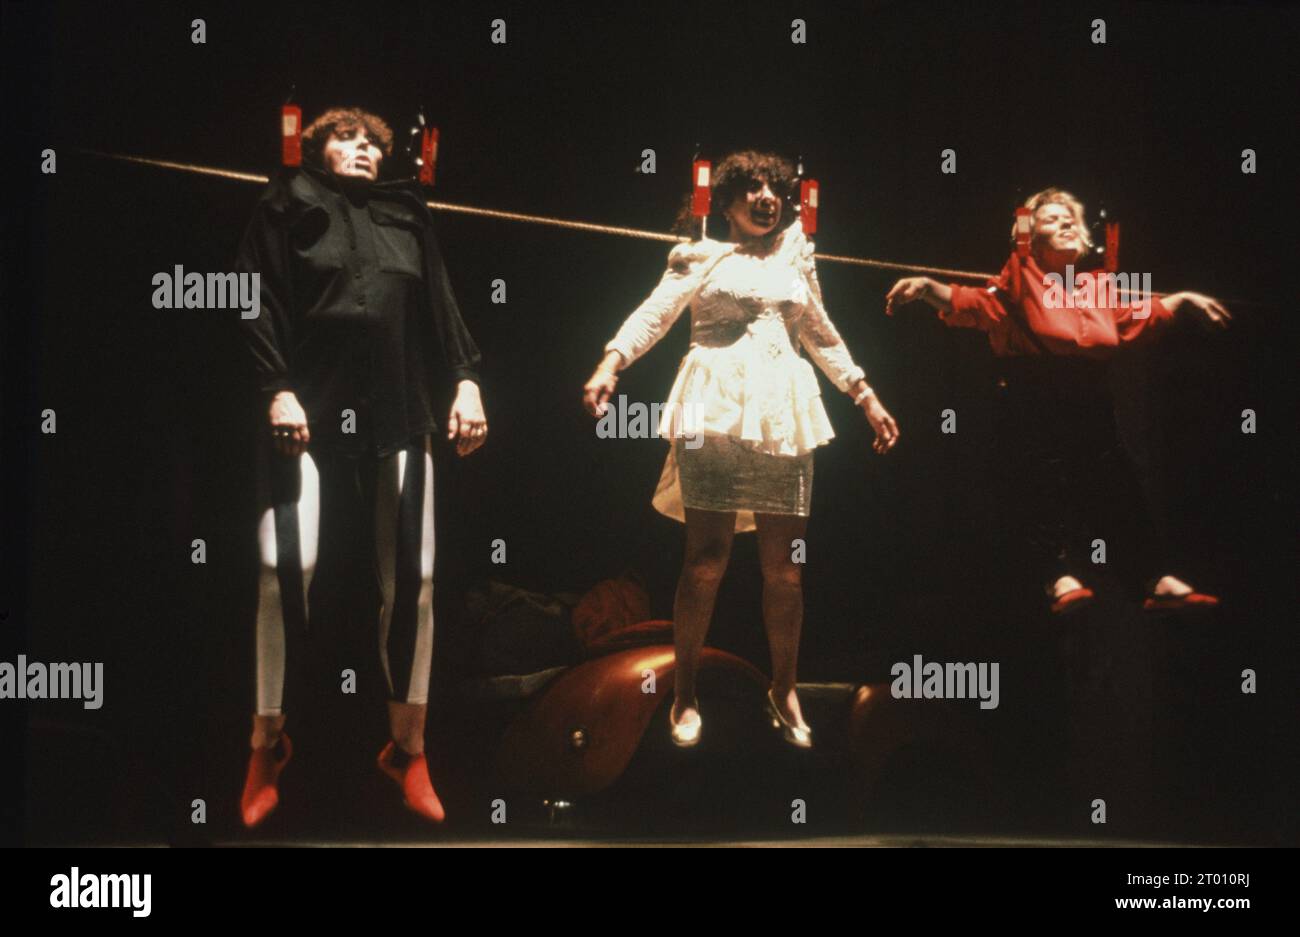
{"x": 1090, "y": 322}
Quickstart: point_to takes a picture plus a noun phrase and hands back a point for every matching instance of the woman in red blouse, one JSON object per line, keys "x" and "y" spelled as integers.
{"x": 1054, "y": 340}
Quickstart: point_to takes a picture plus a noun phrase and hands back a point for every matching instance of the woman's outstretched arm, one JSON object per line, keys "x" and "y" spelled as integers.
{"x": 687, "y": 266}
{"x": 822, "y": 340}
{"x": 911, "y": 289}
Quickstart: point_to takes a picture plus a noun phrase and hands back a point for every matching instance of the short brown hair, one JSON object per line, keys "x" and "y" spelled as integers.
{"x": 344, "y": 118}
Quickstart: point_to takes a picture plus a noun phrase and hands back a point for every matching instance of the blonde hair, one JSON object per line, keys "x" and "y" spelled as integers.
{"x": 1060, "y": 197}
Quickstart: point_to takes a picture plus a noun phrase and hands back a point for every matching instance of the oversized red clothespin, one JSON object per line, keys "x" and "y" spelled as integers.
{"x": 1111, "y": 260}
{"x": 291, "y": 135}
{"x": 1024, "y": 231}
{"x": 808, "y": 198}
{"x": 428, "y": 155}
{"x": 701, "y": 193}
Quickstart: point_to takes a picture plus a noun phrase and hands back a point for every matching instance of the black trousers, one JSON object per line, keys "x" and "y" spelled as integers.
{"x": 1066, "y": 480}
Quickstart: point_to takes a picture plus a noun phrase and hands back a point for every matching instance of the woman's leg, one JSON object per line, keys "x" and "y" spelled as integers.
{"x": 404, "y": 549}
{"x": 1033, "y": 469}
{"x": 266, "y": 730}
{"x": 406, "y": 725}
{"x": 287, "y": 540}
{"x": 708, "y": 547}
{"x": 782, "y": 604}
{"x": 403, "y": 500}
{"x": 1143, "y": 547}
{"x": 288, "y": 493}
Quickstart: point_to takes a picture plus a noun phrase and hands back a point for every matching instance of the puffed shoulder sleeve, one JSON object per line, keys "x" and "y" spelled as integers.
{"x": 688, "y": 264}
{"x": 816, "y": 331}
{"x": 980, "y": 307}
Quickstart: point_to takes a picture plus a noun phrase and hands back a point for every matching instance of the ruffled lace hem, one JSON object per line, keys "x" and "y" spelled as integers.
{"x": 772, "y": 405}
{"x": 758, "y": 391}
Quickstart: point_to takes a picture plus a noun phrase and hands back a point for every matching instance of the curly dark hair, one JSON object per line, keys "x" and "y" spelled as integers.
{"x": 344, "y": 118}
{"x": 735, "y": 175}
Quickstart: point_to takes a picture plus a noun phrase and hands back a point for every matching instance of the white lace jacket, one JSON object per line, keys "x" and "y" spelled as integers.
{"x": 743, "y": 375}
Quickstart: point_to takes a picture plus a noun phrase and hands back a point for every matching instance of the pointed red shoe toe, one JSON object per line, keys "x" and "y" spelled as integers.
{"x": 1175, "y": 603}
{"x": 1072, "y": 601}
{"x": 417, "y": 790}
{"x": 261, "y": 794}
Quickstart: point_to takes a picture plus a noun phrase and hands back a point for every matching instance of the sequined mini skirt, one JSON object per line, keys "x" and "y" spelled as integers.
{"x": 725, "y": 474}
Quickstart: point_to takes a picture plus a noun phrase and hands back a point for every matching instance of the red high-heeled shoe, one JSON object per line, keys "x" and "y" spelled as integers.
{"x": 261, "y": 794}
{"x": 1072, "y": 601}
{"x": 1178, "y": 603}
{"x": 417, "y": 790}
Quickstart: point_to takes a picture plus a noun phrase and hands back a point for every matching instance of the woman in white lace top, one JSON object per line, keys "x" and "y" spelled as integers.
{"x": 743, "y": 416}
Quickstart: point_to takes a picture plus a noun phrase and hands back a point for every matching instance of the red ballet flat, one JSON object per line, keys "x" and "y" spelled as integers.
{"x": 261, "y": 795}
{"x": 1072, "y": 601}
{"x": 1178, "y": 603}
{"x": 417, "y": 790}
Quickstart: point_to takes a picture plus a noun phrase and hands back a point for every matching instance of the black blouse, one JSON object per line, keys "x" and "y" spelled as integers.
{"x": 357, "y": 313}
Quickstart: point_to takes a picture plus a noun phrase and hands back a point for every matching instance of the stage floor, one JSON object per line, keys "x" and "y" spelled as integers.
{"x": 832, "y": 842}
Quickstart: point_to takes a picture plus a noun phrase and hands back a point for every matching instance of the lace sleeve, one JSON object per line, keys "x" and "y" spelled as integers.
{"x": 818, "y": 334}
{"x": 688, "y": 264}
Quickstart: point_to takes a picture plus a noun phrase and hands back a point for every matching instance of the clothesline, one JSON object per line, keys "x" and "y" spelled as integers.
{"x": 565, "y": 222}
{"x": 537, "y": 219}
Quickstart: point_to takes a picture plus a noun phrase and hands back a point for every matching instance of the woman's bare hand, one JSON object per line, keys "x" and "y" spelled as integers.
{"x": 1209, "y": 307}
{"x": 882, "y": 422}
{"x": 598, "y": 390}
{"x": 467, "y": 423}
{"x": 289, "y": 424}
{"x": 906, "y": 290}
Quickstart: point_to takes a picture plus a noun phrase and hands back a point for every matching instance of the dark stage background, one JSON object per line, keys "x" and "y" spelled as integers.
{"x": 155, "y": 423}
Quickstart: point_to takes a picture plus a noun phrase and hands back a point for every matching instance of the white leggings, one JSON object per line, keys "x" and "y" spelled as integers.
{"x": 303, "y": 500}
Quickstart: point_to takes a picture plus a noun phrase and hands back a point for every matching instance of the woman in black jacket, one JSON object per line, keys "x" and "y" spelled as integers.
{"x": 358, "y": 325}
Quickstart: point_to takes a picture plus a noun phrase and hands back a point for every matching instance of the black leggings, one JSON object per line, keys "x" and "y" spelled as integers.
{"x": 313, "y": 508}
{"x": 1066, "y": 478}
